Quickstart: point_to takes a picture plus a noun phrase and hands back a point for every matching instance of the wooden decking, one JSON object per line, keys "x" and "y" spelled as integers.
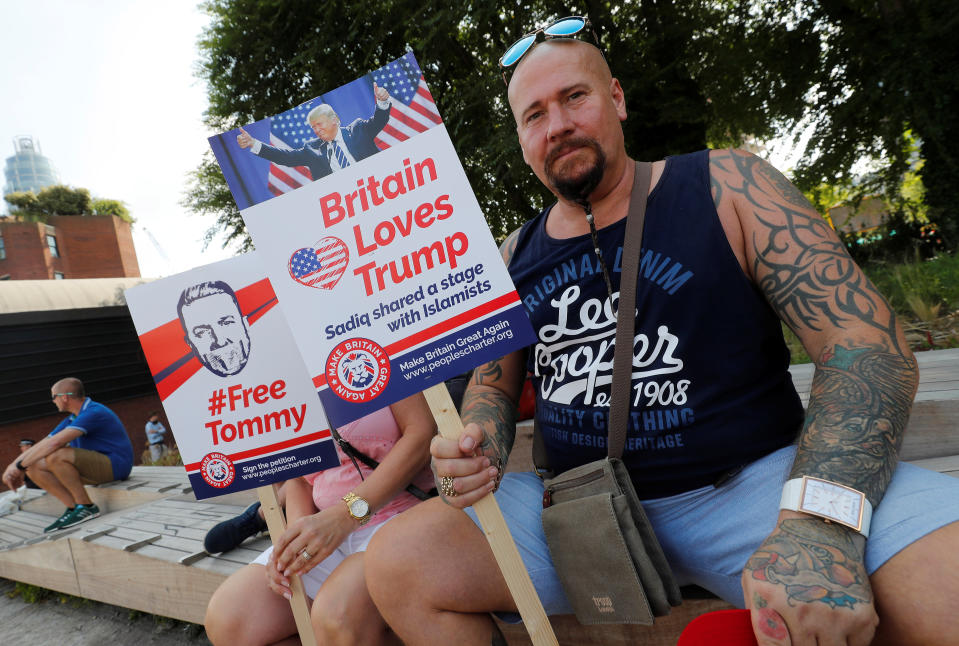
{"x": 146, "y": 549}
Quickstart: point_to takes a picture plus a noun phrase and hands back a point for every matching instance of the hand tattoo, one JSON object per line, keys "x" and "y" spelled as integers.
{"x": 813, "y": 562}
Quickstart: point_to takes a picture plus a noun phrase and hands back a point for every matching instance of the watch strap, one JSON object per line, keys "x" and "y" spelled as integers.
{"x": 792, "y": 500}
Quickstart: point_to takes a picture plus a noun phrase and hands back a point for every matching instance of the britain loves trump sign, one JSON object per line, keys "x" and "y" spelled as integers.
{"x": 374, "y": 242}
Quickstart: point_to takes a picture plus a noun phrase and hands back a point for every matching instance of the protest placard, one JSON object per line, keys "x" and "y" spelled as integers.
{"x": 368, "y": 229}
{"x": 240, "y": 403}
{"x": 386, "y": 267}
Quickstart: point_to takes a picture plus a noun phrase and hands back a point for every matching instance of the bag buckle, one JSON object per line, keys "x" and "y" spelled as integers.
{"x": 547, "y": 498}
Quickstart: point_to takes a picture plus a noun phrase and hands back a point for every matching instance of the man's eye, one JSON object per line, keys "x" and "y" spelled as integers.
{"x": 533, "y": 117}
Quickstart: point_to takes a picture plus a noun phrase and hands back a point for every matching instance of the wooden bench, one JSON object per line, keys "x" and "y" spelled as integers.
{"x": 931, "y": 441}
{"x": 146, "y": 549}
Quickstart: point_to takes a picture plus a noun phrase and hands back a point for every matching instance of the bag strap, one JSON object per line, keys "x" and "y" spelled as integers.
{"x": 625, "y": 327}
{"x": 355, "y": 454}
{"x": 626, "y": 324}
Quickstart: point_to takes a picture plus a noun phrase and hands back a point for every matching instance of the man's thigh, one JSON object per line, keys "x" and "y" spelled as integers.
{"x": 94, "y": 467}
{"x": 708, "y": 534}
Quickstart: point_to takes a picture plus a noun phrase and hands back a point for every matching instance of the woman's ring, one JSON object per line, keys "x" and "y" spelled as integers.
{"x": 446, "y": 487}
{"x": 306, "y": 556}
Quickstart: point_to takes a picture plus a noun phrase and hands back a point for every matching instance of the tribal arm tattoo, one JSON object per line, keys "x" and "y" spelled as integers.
{"x": 865, "y": 375}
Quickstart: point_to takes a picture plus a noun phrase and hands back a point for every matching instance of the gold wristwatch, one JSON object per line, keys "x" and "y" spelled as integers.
{"x": 358, "y": 507}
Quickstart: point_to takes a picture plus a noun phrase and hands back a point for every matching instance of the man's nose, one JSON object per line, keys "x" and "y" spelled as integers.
{"x": 559, "y": 125}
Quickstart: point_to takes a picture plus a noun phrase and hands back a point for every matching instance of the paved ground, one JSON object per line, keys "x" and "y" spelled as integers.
{"x": 52, "y": 622}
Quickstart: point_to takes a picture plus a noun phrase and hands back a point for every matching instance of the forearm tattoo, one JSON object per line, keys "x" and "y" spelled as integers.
{"x": 813, "y": 562}
{"x": 864, "y": 384}
{"x": 858, "y": 407}
{"x": 493, "y": 411}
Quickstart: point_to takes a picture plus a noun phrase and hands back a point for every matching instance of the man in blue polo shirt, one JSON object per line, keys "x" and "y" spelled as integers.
{"x": 91, "y": 446}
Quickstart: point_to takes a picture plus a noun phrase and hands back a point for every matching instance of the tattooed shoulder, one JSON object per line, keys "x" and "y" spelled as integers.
{"x": 508, "y": 247}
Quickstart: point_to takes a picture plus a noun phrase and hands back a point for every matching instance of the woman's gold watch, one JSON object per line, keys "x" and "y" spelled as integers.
{"x": 358, "y": 507}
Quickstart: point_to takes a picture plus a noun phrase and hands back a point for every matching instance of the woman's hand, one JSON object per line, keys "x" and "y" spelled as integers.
{"x": 318, "y": 535}
{"x": 275, "y": 579}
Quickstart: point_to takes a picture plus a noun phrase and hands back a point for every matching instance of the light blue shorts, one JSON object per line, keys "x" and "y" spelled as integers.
{"x": 708, "y": 534}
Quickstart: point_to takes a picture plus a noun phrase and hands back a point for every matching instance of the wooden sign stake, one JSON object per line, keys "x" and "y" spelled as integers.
{"x": 276, "y": 522}
{"x": 497, "y": 533}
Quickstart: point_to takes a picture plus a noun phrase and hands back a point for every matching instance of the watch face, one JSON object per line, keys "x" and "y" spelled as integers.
{"x": 359, "y": 508}
{"x": 832, "y": 501}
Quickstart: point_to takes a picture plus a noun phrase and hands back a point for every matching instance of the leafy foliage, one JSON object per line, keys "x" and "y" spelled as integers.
{"x": 104, "y": 206}
{"x": 64, "y": 200}
{"x": 863, "y": 73}
{"x": 689, "y": 70}
{"x": 887, "y": 72}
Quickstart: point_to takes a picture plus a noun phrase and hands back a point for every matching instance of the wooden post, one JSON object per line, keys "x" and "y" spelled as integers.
{"x": 497, "y": 533}
{"x": 276, "y": 522}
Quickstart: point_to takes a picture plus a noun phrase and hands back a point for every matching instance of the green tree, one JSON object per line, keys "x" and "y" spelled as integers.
{"x": 887, "y": 68}
{"x": 105, "y": 206}
{"x": 64, "y": 200}
{"x": 693, "y": 72}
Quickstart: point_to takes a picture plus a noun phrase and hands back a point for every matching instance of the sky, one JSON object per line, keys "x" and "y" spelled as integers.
{"x": 109, "y": 90}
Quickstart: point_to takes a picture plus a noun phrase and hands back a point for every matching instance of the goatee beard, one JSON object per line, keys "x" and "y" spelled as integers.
{"x": 576, "y": 189}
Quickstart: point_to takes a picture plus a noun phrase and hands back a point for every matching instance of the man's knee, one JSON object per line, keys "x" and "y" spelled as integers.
{"x": 59, "y": 458}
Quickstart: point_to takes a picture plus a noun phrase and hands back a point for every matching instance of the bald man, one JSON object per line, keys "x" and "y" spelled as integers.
{"x": 730, "y": 249}
{"x": 90, "y": 446}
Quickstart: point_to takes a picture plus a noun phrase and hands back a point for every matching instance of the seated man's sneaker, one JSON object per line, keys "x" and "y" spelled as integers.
{"x": 80, "y": 514}
{"x": 226, "y": 535}
{"x": 58, "y": 523}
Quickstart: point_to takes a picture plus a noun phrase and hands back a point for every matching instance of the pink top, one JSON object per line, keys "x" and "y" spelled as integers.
{"x": 374, "y": 435}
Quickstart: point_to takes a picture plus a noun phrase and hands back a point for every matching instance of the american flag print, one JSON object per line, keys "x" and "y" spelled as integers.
{"x": 412, "y": 109}
{"x": 289, "y": 131}
{"x": 321, "y": 265}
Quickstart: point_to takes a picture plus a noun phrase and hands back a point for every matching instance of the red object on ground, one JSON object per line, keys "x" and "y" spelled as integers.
{"x": 719, "y": 628}
{"x": 527, "y": 401}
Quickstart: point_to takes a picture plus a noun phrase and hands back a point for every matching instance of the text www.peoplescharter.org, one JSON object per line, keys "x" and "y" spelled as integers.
{"x": 263, "y": 469}
{"x": 445, "y": 355}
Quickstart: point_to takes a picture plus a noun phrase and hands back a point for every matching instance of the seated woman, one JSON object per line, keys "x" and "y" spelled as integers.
{"x": 326, "y": 547}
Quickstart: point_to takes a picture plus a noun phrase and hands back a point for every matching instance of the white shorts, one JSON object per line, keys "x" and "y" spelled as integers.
{"x": 354, "y": 543}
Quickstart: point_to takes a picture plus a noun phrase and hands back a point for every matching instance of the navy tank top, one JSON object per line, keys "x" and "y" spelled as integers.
{"x": 711, "y": 390}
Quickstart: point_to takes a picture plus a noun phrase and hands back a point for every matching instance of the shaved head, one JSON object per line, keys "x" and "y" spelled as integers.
{"x": 584, "y": 55}
{"x": 70, "y": 385}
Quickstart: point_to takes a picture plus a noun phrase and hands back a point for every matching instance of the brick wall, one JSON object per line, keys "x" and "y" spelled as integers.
{"x": 90, "y": 246}
{"x": 28, "y": 257}
{"x": 132, "y": 412}
{"x": 96, "y": 246}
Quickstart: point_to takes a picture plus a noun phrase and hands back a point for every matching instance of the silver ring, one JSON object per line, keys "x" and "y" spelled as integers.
{"x": 446, "y": 487}
{"x": 306, "y": 556}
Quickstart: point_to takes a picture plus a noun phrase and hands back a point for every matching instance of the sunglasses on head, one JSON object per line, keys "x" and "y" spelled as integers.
{"x": 569, "y": 27}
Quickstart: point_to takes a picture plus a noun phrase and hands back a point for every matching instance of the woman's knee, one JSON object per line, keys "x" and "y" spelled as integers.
{"x": 228, "y": 619}
{"x": 223, "y": 620}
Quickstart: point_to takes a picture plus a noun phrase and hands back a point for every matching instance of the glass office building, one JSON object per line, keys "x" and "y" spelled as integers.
{"x": 28, "y": 169}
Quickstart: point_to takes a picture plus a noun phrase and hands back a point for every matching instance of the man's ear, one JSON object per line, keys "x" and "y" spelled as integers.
{"x": 619, "y": 98}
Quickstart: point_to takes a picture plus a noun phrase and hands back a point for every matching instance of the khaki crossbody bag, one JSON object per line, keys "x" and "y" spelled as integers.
{"x": 605, "y": 551}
